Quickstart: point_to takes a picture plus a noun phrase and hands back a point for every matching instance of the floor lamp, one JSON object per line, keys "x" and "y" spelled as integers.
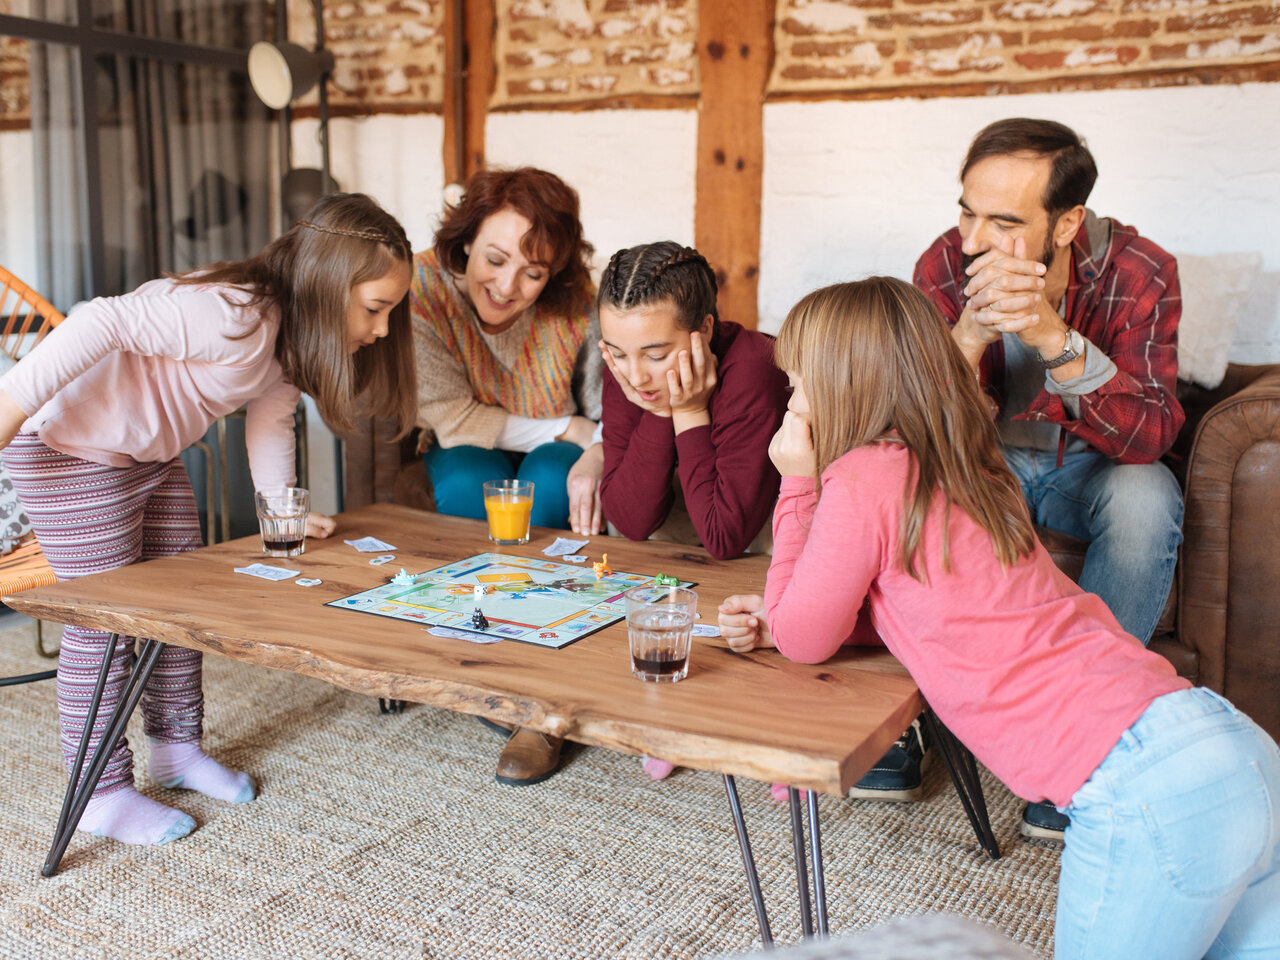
{"x": 280, "y": 73}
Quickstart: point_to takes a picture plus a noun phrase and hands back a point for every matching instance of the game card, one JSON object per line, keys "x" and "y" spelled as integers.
{"x": 370, "y": 545}
{"x": 267, "y": 572}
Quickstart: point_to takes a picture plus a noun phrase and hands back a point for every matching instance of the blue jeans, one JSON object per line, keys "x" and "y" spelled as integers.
{"x": 458, "y": 475}
{"x": 1131, "y": 514}
{"x": 1174, "y": 845}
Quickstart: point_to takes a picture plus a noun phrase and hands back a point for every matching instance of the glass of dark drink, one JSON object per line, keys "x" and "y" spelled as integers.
{"x": 659, "y": 627}
{"x": 282, "y": 519}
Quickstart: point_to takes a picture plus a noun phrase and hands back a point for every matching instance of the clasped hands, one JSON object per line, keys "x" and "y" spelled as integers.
{"x": 1006, "y": 294}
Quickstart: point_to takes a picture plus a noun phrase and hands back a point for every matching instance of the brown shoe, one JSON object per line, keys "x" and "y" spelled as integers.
{"x": 529, "y": 757}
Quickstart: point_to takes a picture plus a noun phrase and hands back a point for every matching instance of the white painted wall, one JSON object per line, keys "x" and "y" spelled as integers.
{"x": 855, "y": 188}
{"x": 394, "y": 159}
{"x": 18, "y": 205}
{"x": 634, "y": 170}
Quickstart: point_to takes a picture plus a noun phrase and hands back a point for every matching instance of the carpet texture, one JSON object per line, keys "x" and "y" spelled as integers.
{"x": 387, "y": 837}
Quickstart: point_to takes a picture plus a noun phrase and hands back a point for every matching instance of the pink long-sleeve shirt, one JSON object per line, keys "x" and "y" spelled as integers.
{"x": 1033, "y": 674}
{"x": 139, "y": 378}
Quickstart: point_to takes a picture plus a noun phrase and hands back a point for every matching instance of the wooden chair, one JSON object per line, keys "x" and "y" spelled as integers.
{"x": 25, "y": 319}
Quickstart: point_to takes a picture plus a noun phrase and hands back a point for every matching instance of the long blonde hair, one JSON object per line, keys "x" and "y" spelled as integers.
{"x": 878, "y": 364}
{"x": 308, "y": 274}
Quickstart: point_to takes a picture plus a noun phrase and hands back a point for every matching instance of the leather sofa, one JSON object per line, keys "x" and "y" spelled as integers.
{"x": 1221, "y": 627}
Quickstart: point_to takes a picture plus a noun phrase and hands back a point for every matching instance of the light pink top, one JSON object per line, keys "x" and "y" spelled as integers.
{"x": 1034, "y": 675}
{"x": 139, "y": 378}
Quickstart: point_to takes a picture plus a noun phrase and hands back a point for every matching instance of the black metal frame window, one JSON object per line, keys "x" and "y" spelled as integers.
{"x": 151, "y": 152}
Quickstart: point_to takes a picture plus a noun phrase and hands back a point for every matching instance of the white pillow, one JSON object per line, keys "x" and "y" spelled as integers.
{"x": 1214, "y": 291}
{"x": 14, "y": 524}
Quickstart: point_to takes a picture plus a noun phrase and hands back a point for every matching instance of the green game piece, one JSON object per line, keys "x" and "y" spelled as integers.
{"x": 665, "y": 580}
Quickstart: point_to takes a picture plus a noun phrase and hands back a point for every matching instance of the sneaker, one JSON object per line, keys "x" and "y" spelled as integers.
{"x": 897, "y": 775}
{"x": 1042, "y": 821}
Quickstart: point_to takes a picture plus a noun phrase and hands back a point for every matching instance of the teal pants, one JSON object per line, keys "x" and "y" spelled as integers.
{"x": 458, "y": 475}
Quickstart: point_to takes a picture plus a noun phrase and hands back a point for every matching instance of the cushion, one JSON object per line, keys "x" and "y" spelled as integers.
{"x": 1215, "y": 289}
{"x": 14, "y": 524}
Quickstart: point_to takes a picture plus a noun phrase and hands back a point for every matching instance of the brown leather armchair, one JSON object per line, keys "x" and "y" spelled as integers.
{"x": 1221, "y": 626}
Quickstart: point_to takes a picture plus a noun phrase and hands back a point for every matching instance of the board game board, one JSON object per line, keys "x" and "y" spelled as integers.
{"x": 534, "y": 601}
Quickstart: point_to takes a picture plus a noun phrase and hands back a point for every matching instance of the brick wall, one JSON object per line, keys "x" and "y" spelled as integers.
{"x": 561, "y": 51}
{"x": 15, "y": 84}
{"x": 860, "y": 45}
{"x": 389, "y": 54}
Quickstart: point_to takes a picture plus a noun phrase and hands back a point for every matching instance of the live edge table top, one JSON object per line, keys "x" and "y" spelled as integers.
{"x": 756, "y": 715}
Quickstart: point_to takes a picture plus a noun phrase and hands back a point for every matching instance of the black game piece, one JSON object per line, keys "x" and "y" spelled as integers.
{"x": 479, "y": 621}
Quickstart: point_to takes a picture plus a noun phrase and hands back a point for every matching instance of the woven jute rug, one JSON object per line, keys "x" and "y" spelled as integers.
{"x": 387, "y": 837}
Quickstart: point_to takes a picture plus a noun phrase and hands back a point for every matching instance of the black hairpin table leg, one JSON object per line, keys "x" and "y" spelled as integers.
{"x": 964, "y": 774}
{"x": 802, "y": 877}
{"x": 80, "y": 790}
{"x": 815, "y": 857}
{"x": 390, "y": 706}
{"x": 748, "y": 860}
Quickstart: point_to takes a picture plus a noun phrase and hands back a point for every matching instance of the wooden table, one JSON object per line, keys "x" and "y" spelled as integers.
{"x": 756, "y": 715}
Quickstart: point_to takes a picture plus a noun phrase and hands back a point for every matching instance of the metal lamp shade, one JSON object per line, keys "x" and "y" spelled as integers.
{"x": 282, "y": 72}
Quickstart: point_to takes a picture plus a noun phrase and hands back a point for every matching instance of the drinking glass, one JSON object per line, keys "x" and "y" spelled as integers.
{"x": 508, "y": 503}
{"x": 659, "y": 626}
{"x": 282, "y": 519}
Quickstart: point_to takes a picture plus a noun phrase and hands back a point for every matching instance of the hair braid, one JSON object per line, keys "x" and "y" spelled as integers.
{"x": 651, "y": 272}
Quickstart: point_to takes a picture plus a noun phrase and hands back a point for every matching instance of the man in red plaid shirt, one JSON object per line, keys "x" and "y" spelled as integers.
{"x": 1071, "y": 322}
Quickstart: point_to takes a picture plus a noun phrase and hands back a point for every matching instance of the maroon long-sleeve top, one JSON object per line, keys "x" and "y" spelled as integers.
{"x": 729, "y": 483}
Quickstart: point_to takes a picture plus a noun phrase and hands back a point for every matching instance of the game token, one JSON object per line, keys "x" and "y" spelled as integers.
{"x": 404, "y": 578}
{"x": 479, "y": 621}
{"x": 379, "y": 561}
{"x": 602, "y": 567}
{"x": 666, "y": 580}
{"x": 307, "y": 582}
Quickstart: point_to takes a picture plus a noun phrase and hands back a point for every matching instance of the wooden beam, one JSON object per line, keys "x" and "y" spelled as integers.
{"x": 455, "y": 89}
{"x": 481, "y": 21}
{"x": 735, "y": 40}
{"x": 468, "y": 84}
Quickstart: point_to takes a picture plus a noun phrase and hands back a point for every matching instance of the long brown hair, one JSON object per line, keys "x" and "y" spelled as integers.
{"x": 878, "y": 364}
{"x": 555, "y": 232}
{"x": 308, "y": 274}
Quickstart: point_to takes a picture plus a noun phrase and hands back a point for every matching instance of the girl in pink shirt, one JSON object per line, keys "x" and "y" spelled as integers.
{"x": 894, "y": 492}
{"x": 93, "y": 419}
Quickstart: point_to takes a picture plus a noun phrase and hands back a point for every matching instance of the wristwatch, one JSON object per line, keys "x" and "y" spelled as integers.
{"x": 1073, "y": 348}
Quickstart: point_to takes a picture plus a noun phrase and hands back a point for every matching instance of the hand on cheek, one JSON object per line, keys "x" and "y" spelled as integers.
{"x": 628, "y": 390}
{"x": 791, "y": 448}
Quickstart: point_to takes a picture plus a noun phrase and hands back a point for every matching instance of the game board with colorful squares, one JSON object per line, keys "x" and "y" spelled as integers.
{"x": 516, "y": 598}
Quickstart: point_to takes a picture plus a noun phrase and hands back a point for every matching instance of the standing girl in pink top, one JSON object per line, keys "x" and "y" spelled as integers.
{"x": 894, "y": 492}
{"x": 92, "y": 422}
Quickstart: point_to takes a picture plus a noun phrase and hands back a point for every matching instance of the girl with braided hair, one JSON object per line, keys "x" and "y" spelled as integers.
{"x": 93, "y": 419}
{"x": 691, "y": 404}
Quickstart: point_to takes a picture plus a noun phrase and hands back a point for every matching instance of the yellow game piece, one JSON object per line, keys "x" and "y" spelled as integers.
{"x": 602, "y": 567}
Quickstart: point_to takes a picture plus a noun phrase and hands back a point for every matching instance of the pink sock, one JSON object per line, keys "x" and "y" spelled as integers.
{"x": 185, "y": 765}
{"x": 658, "y": 769}
{"x": 779, "y": 791}
{"x": 128, "y": 816}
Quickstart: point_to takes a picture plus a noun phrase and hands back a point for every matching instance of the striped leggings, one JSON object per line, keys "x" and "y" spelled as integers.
{"x": 89, "y": 518}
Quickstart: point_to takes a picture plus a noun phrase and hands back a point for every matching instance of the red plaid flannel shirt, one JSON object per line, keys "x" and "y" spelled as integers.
{"x": 1125, "y": 300}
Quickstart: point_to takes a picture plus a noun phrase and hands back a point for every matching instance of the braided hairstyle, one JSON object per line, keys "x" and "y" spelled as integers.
{"x": 662, "y": 271}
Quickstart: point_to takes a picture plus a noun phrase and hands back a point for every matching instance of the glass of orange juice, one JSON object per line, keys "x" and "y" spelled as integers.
{"x": 508, "y": 504}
